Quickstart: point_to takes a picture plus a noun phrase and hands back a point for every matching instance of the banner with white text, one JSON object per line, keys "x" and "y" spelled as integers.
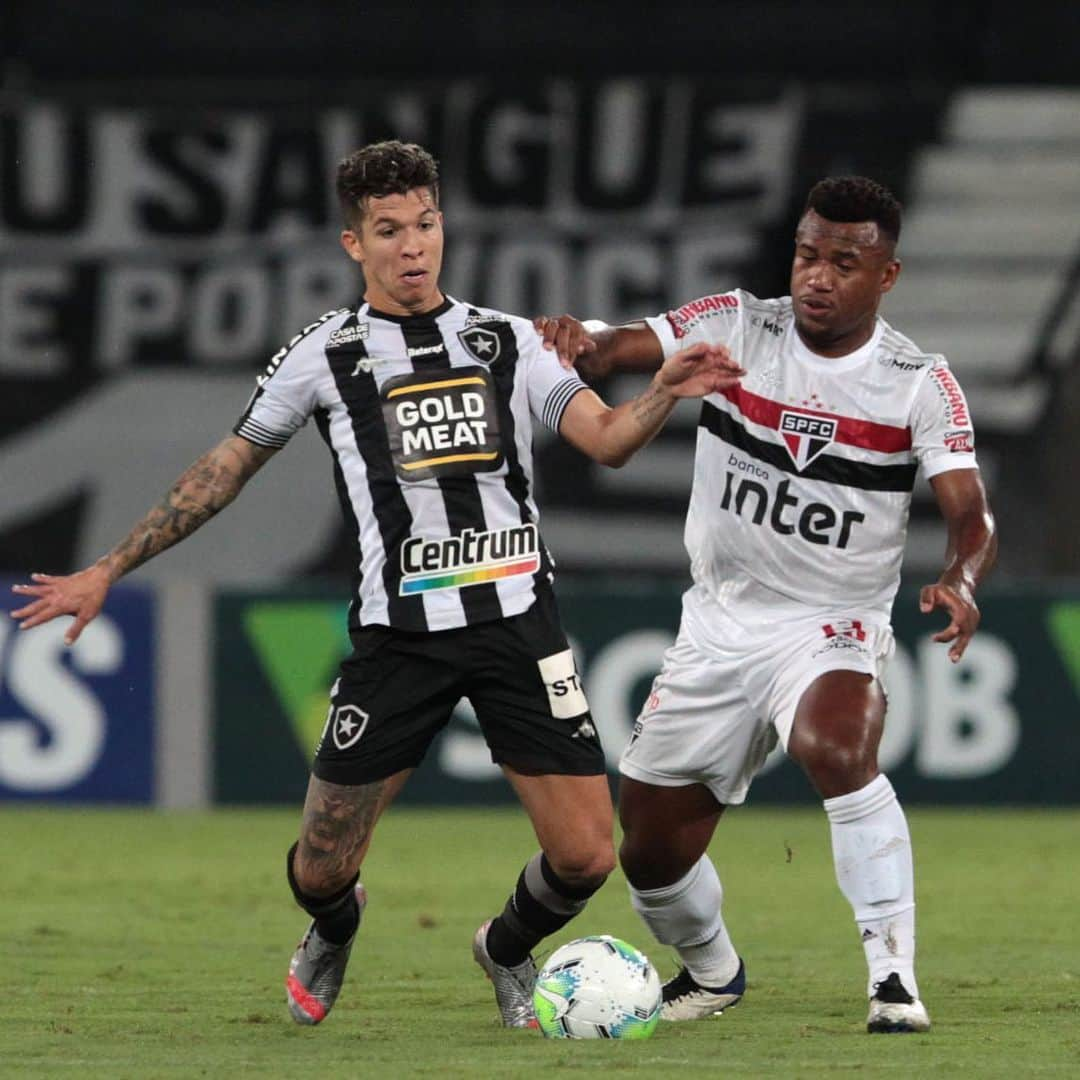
{"x": 79, "y": 723}
{"x": 1000, "y": 727}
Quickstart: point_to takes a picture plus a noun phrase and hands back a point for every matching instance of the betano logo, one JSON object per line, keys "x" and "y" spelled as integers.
{"x": 470, "y": 558}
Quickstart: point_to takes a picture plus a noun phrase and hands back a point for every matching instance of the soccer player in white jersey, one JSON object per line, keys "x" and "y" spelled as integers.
{"x": 427, "y": 406}
{"x": 802, "y": 485}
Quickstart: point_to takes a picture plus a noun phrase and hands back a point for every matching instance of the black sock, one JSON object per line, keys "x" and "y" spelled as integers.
{"x": 340, "y": 925}
{"x": 540, "y": 904}
{"x": 337, "y": 916}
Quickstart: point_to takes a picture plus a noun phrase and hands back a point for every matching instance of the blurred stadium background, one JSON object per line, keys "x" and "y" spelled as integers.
{"x": 167, "y": 222}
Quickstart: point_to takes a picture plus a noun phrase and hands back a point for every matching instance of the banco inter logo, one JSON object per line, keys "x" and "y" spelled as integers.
{"x": 470, "y": 558}
{"x": 805, "y": 435}
{"x": 442, "y": 423}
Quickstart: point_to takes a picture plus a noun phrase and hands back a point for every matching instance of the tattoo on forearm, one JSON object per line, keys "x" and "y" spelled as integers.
{"x": 337, "y": 823}
{"x": 210, "y": 484}
{"x": 649, "y": 406}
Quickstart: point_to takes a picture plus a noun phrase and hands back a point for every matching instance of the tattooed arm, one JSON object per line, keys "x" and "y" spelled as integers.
{"x": 611, "y": 436}
{"x": 208, "y": 486}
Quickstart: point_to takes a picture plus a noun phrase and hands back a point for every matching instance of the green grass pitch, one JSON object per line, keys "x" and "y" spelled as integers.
{"x": 139, "y": 944}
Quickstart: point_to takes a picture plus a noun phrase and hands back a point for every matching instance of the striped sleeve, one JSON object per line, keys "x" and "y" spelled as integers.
{"x": 284, "y": 396}
{"x": 550, "y": 385}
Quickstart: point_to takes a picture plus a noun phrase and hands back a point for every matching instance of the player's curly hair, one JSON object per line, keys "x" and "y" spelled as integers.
{"x": 856, "y": 198}
{"x": 383, "y": 168}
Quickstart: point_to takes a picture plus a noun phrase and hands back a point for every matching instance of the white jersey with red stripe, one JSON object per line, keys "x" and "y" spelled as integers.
{"x": 803, "y": 473}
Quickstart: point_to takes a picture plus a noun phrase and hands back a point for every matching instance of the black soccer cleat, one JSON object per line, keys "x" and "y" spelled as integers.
{"x": 894, "y": 1011}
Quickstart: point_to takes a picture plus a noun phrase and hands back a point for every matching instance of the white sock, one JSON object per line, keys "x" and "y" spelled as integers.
{"x": 686, "y": 915}
{"x": 872, "y": 854}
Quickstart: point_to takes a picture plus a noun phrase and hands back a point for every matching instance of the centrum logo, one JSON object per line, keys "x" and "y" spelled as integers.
{"x": 470, "y": 558}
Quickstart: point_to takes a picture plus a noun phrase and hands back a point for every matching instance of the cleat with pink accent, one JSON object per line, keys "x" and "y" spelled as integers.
{"x": 316, "y": 972}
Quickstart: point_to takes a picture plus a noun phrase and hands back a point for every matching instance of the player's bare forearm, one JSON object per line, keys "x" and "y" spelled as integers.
{"x": 972, "y": 549}
{"x": 210, "y": 484}
{"x": 972, "y": 543}
{"x": 632, "y": 347}
{"x": 635, "y": 424}
{"x": 969, "y": 556}
{"x": 612, "y": 436}
{"x": 595, "y": 349}
{"x": 200, "y": 492}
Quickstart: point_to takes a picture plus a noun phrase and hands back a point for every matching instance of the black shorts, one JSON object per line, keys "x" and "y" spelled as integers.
{"x": 397, "y": 690}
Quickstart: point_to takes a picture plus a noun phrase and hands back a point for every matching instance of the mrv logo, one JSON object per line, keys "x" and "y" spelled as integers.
{"x": 805, "y": 435}
{"x": 468, "y": 559}
{"x": 442, "y": 423}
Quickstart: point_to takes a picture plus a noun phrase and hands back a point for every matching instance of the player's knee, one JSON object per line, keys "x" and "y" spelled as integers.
{"x": 646, "y": 867}
{"x": 316, "y": 875}
{"x": 586, "y": 868}
{"x": 836, "y": 766}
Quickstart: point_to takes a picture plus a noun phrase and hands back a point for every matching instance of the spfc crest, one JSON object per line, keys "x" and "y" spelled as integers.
{"x": 805, "y": 435}
{"x": 480, "y": 343}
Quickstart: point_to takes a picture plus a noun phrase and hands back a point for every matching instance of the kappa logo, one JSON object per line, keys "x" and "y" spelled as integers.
{"x": 806, "y": 435}
{"x": 366, "y": 364}
{"x": 348, "y": 725}
{"x": 481, "y": 343}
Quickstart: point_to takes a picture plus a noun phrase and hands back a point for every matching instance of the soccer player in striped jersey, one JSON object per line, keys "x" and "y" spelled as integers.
{"x": 427, "y": 406}
{"x": 802, "y": 484}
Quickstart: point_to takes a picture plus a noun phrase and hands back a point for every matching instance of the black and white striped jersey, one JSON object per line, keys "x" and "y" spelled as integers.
{"x": 429, "y": 421}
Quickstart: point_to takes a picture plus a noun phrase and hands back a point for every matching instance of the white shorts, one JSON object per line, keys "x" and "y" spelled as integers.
{"x": 725, "y": 695}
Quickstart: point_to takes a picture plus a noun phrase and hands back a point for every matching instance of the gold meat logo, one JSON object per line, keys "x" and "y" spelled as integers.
{"x": 442, "y": 423}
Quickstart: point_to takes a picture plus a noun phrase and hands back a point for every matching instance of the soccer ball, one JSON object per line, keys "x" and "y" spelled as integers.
{"x": 597, "y": 988}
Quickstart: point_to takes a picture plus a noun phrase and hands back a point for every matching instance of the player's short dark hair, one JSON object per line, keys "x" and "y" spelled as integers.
{"x": 856, "y": 198}
{"x": 383, "y": 168}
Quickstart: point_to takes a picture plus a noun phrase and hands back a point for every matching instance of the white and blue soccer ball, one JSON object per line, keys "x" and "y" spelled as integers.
{"x": 597, "y": 988}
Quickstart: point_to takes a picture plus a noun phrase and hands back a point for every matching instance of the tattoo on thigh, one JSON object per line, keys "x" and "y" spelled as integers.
{"x": 337, "y": 821}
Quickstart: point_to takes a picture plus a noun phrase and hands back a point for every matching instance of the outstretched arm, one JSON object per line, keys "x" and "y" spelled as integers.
{"x": 596, "y": 349}
{"x": 971, "y": 551}
{"x": 611, "y": 436}
{"x": 206, "y": 487}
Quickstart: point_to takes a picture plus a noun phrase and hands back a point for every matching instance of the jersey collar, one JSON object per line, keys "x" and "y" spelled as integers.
{"x": 424, "y": 317}
{"x": 816, "y": 362}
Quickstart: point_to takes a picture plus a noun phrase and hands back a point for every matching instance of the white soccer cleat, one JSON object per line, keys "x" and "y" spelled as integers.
{"x": 685, "y": 999}
{"x": 894, "y": 1011}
